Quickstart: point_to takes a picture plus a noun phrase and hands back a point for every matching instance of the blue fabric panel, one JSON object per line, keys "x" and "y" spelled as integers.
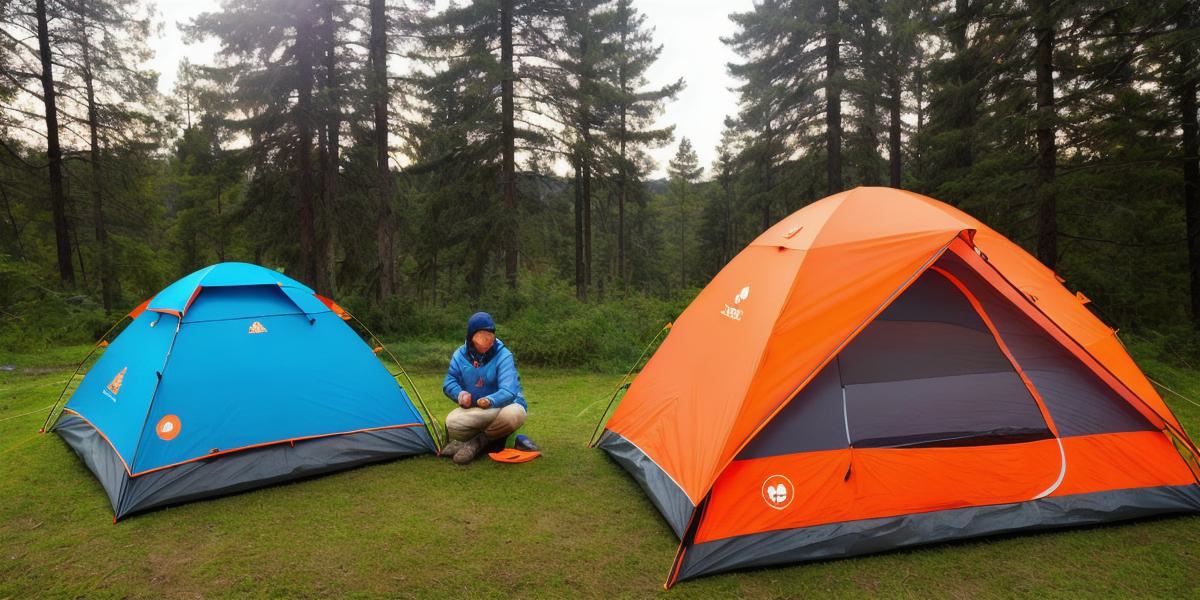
{"x": 304, "y": 299}
{"x": 231, "y": 388}
{"x": 235, "y": 273}
{"x": 216, "y": 303}
{"x": 139, "y": 350}
{"x": 175, "y": 297}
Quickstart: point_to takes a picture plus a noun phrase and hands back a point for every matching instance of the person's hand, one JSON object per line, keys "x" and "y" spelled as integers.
{"x": 464, "y": 399}
{"x": 484, "y": 403}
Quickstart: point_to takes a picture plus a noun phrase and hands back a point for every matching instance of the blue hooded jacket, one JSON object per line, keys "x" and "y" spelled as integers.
{"x": 492, "y": 375}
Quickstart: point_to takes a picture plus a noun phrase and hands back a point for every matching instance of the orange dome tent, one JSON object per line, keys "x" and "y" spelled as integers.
{"x": 879, "y": 370}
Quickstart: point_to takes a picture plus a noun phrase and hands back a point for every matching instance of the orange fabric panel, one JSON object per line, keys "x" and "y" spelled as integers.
{"x": 1113, "y": 461}
{"x": 871, "y": 214}
{"x": 798, "y": 230}
{"x": 883, "y": 482}
{"x": 681, "y": 406}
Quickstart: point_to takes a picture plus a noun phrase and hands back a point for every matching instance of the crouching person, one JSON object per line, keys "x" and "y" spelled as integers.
{"x": 483, "y": 380}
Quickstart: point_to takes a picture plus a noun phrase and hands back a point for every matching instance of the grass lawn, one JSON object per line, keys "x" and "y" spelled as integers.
{"x": 569, "y": 524}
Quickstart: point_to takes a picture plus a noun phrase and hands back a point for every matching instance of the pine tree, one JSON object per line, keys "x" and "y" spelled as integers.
{"x": 271, "y": 52}
{"x": 793, "y": 74}
{"x": 58, "y": 202}
{"x": 379, "y": 90}
{"x": 467, "y": 48}
{"x": 637, "y": 107}
{"x": 104, "y": 43}
{"x": 684, "y": 171}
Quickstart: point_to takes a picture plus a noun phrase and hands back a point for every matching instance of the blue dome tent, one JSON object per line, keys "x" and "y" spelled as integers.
{"x": 235, "y": 377}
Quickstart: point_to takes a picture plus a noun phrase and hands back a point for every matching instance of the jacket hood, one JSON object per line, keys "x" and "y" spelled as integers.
{"x": 480, "y": 321}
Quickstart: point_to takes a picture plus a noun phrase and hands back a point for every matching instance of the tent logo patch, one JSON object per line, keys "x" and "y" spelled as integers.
{"x": 167, "y": 428}
{"x": 257, "y": 327}
{"x": 777, "y": 492}
{"x": 738, "y": 298}
{"x": 114, "y": 387}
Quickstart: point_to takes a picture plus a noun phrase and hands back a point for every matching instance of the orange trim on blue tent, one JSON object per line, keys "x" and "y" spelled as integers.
{"x": 141, "y": 308}
{"x": 333, "y": 306}
{"x": 231, "y": 450}
{"x": 276, "y": 442}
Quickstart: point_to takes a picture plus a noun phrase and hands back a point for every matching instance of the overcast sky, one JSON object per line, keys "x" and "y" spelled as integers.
{"x": 689, "y": 30}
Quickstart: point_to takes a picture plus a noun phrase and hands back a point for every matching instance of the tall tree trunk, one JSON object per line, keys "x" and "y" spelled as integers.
{"x": 384, "y": 228}
{"x": 585, "y": 86}
{"x": 833, "y": 97}
{"x": 1047, "y": 218}
{"x": 221, "y": 229}
{"x": 332, "y": 123}
{"x": 622, "y": 191}
{"x": 871, "y": 125}
{"x": 58, "y": 201}
{"x": 580, "y": 282}
{"x": 623, "y": 18}
{"x": 683, "y": 185}
{"x": 768, "y": 178}
{"x": 508, "y": 133}
{"x": 587, "y": 214}
{"x": 1191, "y": 162}
{"x": 894, "y": 105}
{"x": 108, "y": 286}
{"x": 12, "y": 220}
{"x": 304, "y": 127}
{"x": 730, "y": 226}
{"x": 962, "y": 110}
{"x": 919, "y": 91}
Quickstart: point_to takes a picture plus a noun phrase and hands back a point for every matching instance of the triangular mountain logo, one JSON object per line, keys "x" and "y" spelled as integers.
{"x": 257, "y": 327}
{"x": 114, "y": 386}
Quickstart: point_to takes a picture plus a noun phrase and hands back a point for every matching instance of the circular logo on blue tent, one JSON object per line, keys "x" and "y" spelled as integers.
{"x": 167, "y": 428}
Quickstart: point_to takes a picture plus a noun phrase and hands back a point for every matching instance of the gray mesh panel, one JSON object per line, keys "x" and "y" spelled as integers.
{"x": 1078, "y": 401}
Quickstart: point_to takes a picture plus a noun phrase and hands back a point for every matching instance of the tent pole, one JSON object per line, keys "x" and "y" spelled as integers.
{"x": 624, "y": 383}
{"x": 431, "y": 420}
{"x": 99, "y": 344}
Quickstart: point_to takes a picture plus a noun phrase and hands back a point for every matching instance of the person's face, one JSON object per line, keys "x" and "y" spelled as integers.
{"x": 483, "y": 340}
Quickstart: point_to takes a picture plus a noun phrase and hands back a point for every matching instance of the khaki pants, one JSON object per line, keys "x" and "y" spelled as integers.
{"x": 465, "y": 423}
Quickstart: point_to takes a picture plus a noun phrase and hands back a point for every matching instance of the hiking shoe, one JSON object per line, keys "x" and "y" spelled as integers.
{"x": 526, "y": 444}
{"x": 470, "y": 449}
{"x": 450, "y": 449}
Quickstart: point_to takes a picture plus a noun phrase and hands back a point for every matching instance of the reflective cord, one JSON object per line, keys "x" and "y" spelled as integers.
{"x": 1177, "y": 394}
{"x": 99, "y": 344}
{"x": 36, "y": 410}
{"x": 625, "y": 383}
{"x": 435, "y": 425}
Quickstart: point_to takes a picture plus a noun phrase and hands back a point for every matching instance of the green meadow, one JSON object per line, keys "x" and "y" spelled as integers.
{"x": 569, "y": 524}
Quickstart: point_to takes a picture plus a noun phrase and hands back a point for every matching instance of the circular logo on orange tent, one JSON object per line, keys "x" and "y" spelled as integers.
{"x": 778, "y": 492}
{"x": 168, "y": 427}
